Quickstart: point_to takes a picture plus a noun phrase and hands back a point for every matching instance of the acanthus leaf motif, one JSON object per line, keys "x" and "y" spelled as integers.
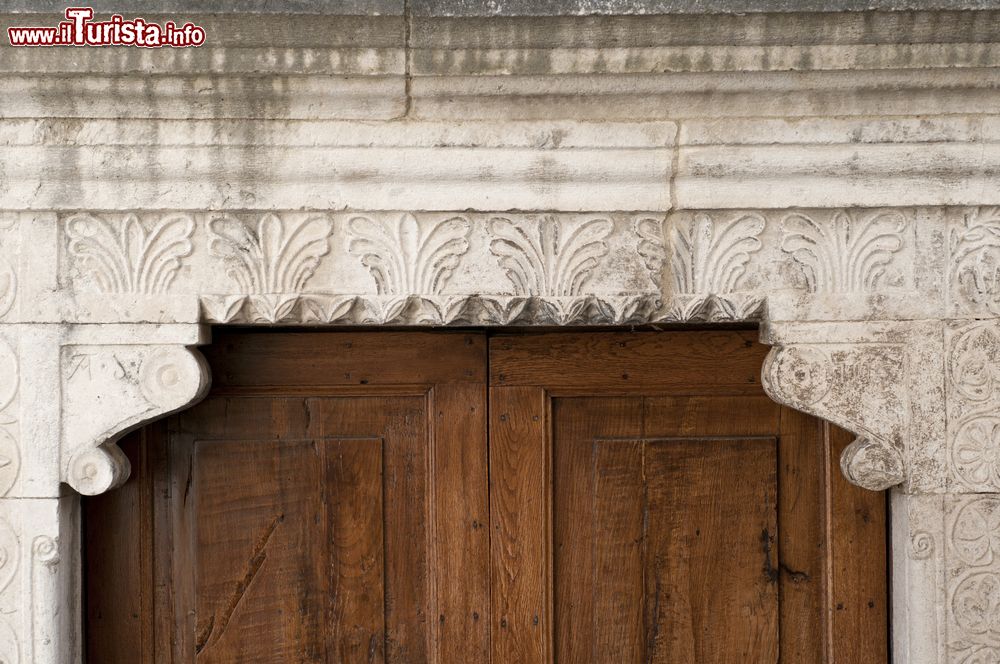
{"x": 278, "y": 255}
{"x": 409, "y": 257}
{"x": 552, "y": 257}
{"x": 710, "y": 256}
{"x": 849, "y": 253}
{"x": 975, "y": 260}
{"x": 130, "y": 255}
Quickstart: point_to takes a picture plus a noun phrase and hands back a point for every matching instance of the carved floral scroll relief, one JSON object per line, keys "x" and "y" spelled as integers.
{"x": 945, "y": 581}
{"x": 39, "y": 604}
{"x": 10, "y": 382}
{"x": 8, "y": 272}
{"x": 973, "y": 380}
{"x": 974, "y": 264}
{"x": 973, "y": 578}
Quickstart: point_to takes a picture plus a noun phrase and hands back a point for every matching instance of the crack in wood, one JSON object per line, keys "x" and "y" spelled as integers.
{"x": 253, "y": 567}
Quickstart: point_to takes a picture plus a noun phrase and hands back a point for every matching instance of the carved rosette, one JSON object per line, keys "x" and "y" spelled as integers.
{"x": 109, "y": 389}
{"x": 973, "y": 380}
{"x": 855, "y": 387}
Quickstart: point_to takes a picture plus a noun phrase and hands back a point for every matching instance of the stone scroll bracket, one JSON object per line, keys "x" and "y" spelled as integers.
{"x": 802, "y": 376}
{"x": 109, "y": 389}
{"x": 877, "y": 380}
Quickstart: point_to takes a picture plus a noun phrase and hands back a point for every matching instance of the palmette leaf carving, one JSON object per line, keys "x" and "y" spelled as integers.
{"x": 409, "y": 258}
{"x": 130, "y": 255}
{"x": 551, "y": 257}
{"x": 848, "y": 254}
{"x": 274, "y": 256}
{"x": 711, "y": 256}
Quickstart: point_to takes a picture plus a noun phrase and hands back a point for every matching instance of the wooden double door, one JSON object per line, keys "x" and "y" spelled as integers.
{"x": 460, "y": 498}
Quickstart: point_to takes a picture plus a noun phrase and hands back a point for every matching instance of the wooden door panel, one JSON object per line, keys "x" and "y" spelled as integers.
{"x": 258, "y": 592}
{"x": 619, "y": 519}
{"x": 301, "y": 512}
{"x": 710, "y": 556}
{"x": 311, "y": 544}
{"x": 641, "y": 528}
{"x": 578, "y": 424}
{"x": 689, "y": 517}
{"x": 354, "y": 495}
{"x": 519, "y": 481}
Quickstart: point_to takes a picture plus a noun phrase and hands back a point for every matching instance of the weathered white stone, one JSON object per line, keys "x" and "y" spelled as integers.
{"x": 831, "y": 177}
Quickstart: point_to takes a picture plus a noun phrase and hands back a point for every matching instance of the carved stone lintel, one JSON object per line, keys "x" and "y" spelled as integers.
{"x": 110, "y": 389}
